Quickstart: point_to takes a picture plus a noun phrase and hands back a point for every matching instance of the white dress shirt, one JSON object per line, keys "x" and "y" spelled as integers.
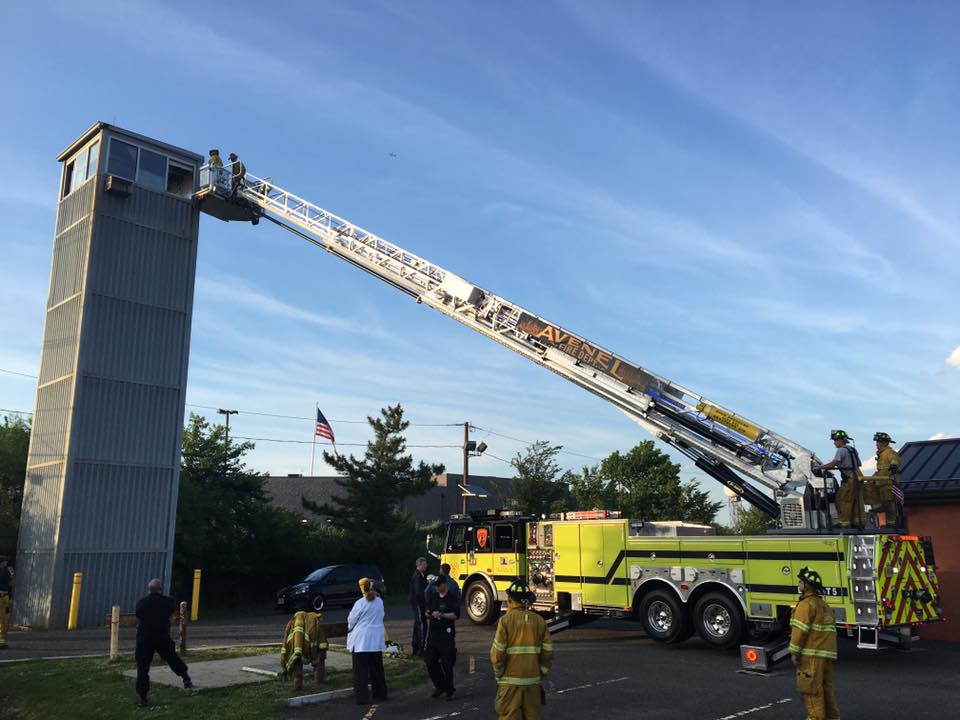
{"x": 365, "y": 626}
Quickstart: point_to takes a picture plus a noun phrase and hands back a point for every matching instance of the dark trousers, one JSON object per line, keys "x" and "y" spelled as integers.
{"x": 419, "y": 630}
{"x": 440, "y": 658}
{"x": 162, "y": 646}
{"x": 368, "y": 668}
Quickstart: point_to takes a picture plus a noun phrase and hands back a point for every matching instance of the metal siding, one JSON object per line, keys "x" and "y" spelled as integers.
{"x": 121, "y": 507}
{"x": 123, "y": 422}
{"x": 152, "y": 209}
{"x": 125, "y": 340}
{"x": 60, "y": 333}
{"x": 75, "y": 206}
{"x": 69, "y": 254}
{"x": 49, "y": 435}
{"x": 108, "y": 579}
{"x": 139, "y": 263}
{"x": 41, "y": 500}
{"x": 31, "y": 604}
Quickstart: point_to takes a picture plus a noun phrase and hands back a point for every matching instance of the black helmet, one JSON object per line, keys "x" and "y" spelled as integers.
{"x": 839, "y": 435}
{"x": 882, "y": 437}
{"x": 520, "y": 591}
{"x": 811, "y": 577}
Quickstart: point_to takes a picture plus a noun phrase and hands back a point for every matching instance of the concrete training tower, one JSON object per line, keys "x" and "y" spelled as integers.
{"x": 103, "y": 469}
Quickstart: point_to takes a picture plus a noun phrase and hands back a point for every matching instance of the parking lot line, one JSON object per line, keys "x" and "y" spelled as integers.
{"x": 590, "y": 685}
{"x": 758, "y": 708}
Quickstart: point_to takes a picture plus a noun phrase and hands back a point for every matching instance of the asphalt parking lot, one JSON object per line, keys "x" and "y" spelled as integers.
{"x": 609, "y": 667}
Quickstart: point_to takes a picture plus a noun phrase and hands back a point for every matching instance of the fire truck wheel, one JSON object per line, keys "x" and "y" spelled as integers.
{"x": 719, "y": 620}
{"x": 663, "y": 617}
{"x": 481, "y": 606}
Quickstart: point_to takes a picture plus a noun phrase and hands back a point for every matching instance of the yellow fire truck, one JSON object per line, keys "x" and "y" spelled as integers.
{"x": 678, "y": 578}
{"x": 675, "y": 581}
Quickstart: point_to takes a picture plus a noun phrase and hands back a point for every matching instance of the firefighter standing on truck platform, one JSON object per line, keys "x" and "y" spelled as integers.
{"x": 813, "y": 648}
{"x": 850, "y": 494}
{"x": 881, "y": 485}
{"x": 521, "y": 655}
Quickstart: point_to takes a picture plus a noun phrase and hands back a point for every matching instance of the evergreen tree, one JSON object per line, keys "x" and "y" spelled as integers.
{"x": 14, "y": 443}
{"x": 539, "y": 487}
{"x": 374, "y": 486}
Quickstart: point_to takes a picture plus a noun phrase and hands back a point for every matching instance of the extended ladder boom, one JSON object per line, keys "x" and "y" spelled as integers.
{"x": 719, "y": 441}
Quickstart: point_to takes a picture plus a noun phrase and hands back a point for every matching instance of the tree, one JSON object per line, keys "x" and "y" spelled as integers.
{"x": 539, "y": 487}
{"x": 643, "y": 483}
{"x": 752, "y": 521}
{"x": 14, "y": 445}
{"x": 369, "y": 510}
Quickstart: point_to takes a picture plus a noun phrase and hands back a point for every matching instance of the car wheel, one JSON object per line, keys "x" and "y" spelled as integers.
{"x": 481, "y": 606}
{"x": 719, "y": 620}
{"x": 318, "y": 602}
{"x": 664, "y": 617}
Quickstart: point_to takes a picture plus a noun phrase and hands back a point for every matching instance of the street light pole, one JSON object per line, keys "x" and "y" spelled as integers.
{"x": 227, "y": 414}
{"x": 466, "y": 462}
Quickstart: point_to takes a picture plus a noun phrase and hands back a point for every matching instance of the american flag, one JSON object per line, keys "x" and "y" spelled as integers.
{"x": 323, "y": 428}
{"x": 898, "y": 493}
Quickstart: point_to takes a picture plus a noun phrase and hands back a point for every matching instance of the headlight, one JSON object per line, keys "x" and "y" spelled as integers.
{"x": 301, "y": 589}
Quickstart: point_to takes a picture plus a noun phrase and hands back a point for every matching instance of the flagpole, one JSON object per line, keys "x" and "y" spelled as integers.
{"x": 313, "y": 446}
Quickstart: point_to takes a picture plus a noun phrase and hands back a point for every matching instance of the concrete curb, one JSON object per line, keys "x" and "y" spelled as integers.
{"x": 319, "y": 697}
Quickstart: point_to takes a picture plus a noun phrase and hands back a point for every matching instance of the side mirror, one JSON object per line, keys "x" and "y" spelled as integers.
{"x": 430, "y": 546}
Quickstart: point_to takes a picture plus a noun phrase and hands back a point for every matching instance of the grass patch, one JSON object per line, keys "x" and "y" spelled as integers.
{"x": 93, "y": 688}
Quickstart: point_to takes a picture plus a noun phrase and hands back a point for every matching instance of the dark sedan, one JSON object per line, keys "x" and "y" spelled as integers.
{"x": 329, "y": 586}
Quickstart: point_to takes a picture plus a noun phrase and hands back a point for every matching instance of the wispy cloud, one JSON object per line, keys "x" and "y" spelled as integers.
{"x": 953, "y": 359}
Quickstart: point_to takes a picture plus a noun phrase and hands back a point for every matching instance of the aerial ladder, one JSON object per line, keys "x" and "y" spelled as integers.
{"x": 734, "y": 450}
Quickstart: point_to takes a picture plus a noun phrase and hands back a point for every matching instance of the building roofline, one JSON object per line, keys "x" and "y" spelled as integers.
{"x": 100, "y": 125}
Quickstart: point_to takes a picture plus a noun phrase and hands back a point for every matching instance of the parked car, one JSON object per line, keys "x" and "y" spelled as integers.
{"x": 329, "y": 586}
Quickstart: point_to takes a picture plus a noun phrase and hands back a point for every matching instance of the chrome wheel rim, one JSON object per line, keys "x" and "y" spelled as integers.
{"x": 478, "y": 603}
{"x": 660, "y": 616}
{"x": 318, "y": 604}
{"x": 717, "y": 620}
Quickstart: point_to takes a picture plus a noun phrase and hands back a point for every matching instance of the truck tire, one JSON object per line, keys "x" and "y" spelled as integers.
{"x": 663, "y": 616}
{"x": 719, "y": 620}
{"x": 480, "y": 602}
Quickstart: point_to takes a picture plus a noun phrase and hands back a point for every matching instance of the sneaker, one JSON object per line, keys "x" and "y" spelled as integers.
{"x": 142, "y": 702}
{"x": 436, "y": 693}
{"x": 450, "y": 695}
{"x": 187, "y": 683}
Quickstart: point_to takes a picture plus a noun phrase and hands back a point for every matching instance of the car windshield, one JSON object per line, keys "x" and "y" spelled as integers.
{"x": 317, "y": 575}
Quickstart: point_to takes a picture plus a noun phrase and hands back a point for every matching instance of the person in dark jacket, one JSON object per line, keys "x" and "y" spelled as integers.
{"x": 153, "y": 636}
{"x": 418, "y": 605}
{"x": 440, "y": 653}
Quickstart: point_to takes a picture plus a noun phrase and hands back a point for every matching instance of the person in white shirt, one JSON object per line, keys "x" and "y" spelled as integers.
{"x": 365, "y": 641}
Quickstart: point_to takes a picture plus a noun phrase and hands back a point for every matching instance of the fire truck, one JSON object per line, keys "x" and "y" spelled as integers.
{"x": 675, "y": 578}
{"x": 678, "y": 578}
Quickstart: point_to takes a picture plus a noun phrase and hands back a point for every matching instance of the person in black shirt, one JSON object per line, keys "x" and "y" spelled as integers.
{"x": 418, "y": 604}
{"x": 443, "y": 609}
{"x": 153, "y": 636}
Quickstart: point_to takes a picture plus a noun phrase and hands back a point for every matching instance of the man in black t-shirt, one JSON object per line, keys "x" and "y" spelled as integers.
{"x": 153, "y": 636}
{"x": 443, "y": 609}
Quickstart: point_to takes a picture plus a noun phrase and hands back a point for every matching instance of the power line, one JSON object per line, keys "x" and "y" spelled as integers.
{"x": 15, "y": 412}
{"x": 14, "y": 372}
{"x": 527, "y": 442}
{"x": 343, "y": 444}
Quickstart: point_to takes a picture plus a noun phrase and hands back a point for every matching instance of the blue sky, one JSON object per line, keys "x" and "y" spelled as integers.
{"x": 756, "y": 200}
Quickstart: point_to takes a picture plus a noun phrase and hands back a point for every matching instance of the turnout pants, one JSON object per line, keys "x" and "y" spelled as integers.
{"x": 850, "y": 503}
{"x": 815, "y": 684}
{"x": 440, "y": 658}
{"x": 368, "y": 668}
{"x": 162, "y": 646}
{"x": 879, "y": 493}
{"x": 4, "y": 615}
{"x": 518, "y": 702}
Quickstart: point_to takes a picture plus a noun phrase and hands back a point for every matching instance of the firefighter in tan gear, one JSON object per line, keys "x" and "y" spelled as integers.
{"x": 850, "y": 495}
{"x": 521, "y": 655}
{"x": 880, "y": 487}
{"x": 813, "y": 648}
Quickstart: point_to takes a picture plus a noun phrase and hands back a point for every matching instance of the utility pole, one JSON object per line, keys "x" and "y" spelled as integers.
{"x": 227, "y": 414}
{"x": 466, "y": 464}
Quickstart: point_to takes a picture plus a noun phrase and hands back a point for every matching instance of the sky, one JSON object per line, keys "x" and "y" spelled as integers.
{"x": 755, "y": 200}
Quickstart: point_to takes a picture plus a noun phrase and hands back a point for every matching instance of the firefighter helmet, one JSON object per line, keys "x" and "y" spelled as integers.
{"x": 811, "y": 577}
{"x": 839, "y": 435}
{"x": 882, "y": 437}
{"x": 520, "y": 591}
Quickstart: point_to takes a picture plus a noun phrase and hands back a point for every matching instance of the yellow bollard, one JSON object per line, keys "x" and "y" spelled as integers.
{"x": 75, "y": 601}
{"x": 195, "y": 605}
{"x": 114, "y": 633}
